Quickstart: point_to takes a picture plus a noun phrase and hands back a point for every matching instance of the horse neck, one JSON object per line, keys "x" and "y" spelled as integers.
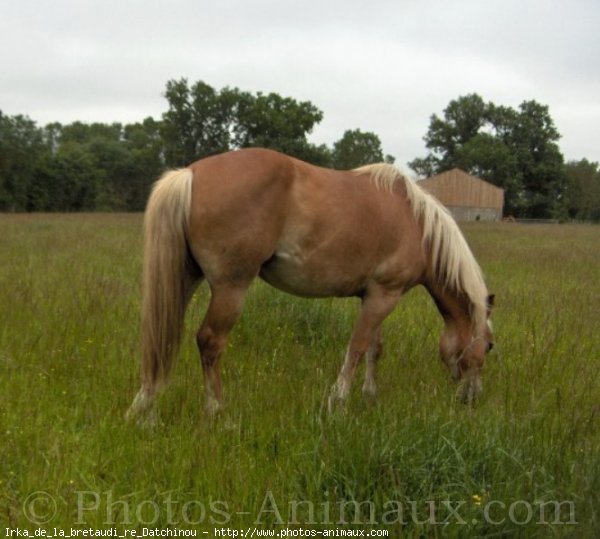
{"x": 455, "y": 308}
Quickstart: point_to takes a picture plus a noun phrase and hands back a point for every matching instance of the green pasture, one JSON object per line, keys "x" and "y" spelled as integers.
{"x": 524, "y": 462}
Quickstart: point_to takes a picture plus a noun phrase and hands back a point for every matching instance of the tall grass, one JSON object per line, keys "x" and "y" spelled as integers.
{"x": 69, "y": 332}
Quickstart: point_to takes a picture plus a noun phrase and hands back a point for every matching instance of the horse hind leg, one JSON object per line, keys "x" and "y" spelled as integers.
{"x": 223, "y": 312}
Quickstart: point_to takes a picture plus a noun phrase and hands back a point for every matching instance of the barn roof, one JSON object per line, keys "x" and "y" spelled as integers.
{"x": 458, "y": 188}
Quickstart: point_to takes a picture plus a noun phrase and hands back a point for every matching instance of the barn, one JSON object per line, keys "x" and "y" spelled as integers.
{"x": 468, "y": 197}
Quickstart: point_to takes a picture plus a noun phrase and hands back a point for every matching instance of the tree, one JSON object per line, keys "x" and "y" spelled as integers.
{"x": 357, "y": 148}
{"x": 515, "y": 149}
{"x": 276, "y": 122}
{"x": 198, "y": 122}
{"x": 70, "y": 179}
{"x": 582, "y": 196}
{"x": 539, "y": 162}
{"x": 202, "y": 121}
{"x": 463, "y": 120}
{"x": 144, "y": 144}
{"x": 21, "y": 150}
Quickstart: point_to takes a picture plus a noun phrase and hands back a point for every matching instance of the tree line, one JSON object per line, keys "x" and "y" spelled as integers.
{"x": 110, "y": 167}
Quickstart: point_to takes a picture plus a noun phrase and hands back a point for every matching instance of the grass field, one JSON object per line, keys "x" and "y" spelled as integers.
{"x": 525, "y": 462}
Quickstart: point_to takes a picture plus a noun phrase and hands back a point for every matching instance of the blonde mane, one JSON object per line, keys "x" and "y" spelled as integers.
{"x": 452, "y": 261}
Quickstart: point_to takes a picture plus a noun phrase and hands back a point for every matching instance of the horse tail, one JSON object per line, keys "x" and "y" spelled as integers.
{"x": 166, "y": 273}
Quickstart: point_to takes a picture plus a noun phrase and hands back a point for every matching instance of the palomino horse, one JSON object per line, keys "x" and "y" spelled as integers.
{"x": 312, "y": 232}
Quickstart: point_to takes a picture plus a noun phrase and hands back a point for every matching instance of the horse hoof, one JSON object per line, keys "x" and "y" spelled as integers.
{"x": 336, "y": 405}
{"x": 213, "y": 407}
{"x": 369, "y": 392}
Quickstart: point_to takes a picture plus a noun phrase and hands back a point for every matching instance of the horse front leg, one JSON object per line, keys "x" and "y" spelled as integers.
{"x": 376, "y": 305}
{"x": 373, "y": 354}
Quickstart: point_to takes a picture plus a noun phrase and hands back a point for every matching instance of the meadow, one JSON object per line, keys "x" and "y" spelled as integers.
{"x": 524, "y": 462}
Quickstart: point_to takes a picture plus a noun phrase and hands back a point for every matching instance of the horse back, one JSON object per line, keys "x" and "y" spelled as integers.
{"x": 257, "y": 210}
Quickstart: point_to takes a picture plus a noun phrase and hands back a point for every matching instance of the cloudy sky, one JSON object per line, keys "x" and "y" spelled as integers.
{"x": 382, "y": 66}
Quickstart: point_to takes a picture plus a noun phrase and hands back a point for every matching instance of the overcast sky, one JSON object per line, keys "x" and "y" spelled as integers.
{"x": 382, "y": 66}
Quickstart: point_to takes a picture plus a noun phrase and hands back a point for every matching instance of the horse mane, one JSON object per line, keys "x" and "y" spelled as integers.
{"x": 452, "y": 262}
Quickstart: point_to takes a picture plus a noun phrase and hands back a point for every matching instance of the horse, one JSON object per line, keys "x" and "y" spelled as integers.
{"x": 370, "y": 233}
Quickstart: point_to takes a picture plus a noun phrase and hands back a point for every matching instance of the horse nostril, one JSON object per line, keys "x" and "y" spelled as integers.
{"x": 490, "y": 346}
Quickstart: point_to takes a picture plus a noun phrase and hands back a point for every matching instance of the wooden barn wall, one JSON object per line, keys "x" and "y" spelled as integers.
{"x": 455, "y": 188}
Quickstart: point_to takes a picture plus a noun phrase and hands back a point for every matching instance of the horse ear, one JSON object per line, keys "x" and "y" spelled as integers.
{"x": 490, "y": 301}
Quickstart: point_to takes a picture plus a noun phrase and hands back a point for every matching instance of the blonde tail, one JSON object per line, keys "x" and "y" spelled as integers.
{"x": 165, "y": 276}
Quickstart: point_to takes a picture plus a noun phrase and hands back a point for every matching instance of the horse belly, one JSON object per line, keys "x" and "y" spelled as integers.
{"x": 295, "y": 275}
